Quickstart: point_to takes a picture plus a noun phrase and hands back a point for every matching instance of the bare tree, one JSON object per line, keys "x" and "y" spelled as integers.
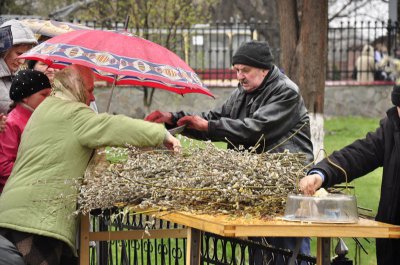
{"x": 357, "y": 9}
{"x": 303, "y": 34}
{"x": 156, "y": 20}
{"x": 260, "y": 10}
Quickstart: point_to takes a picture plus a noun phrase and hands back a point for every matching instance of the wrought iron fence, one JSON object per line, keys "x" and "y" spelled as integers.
{"x": 208, "y": 48}
{"x": 216, "y": 250}
{"x": 363, "y": 51}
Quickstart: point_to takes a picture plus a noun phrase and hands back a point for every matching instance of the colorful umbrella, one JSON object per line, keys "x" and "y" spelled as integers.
{"x": 51, "y": 28}
{"x": 121, "y": 58}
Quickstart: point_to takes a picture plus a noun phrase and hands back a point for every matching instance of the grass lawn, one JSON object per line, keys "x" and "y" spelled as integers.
{"x": 340, "y": 132}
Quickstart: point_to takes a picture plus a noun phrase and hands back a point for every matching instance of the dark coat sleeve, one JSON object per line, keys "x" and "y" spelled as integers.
{"x": 356, "y": 159}
{"x": 223, "y": 111}
{"x": 274, "y": 117}
{"x": 277, "y": 112}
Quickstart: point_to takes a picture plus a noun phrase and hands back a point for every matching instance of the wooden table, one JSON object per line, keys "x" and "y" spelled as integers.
{"x": 241, "y": 227}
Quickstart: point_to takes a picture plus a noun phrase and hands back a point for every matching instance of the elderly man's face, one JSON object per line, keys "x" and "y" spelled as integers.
{"x": 249, "y": 77}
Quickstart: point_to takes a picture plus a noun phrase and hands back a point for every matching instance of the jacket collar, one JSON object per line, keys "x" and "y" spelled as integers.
{"x": 393, "y": 116}
{"x": 24, "y": 109}
{"x": 270, "y": 77}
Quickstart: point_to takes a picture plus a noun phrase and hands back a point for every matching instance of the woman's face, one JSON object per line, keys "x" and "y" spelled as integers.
{"x": 89, "y": 88}
{"x": 34, "y": 100}
{"x": 47, "y": 70}
{"x": 11, "y": 58}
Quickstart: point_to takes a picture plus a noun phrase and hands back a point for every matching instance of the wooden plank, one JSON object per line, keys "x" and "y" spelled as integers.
{"x": 323, "y": 251}
{"x": 138, "y": 234}
{"x": 193, "y": 248}
{"x": 199, "y": 222}
{"x": 241, "y": 227}
{"x": 319, "y": 230}
{"x": 84, "y": 237}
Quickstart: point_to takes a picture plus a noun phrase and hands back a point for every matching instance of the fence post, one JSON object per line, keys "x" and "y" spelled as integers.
{"x": 389, "y": 34}
{"x": 252, "y": 25}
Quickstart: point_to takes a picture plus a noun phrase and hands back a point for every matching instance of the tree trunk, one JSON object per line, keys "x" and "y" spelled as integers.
{"x": 303, "y": 56}
{"x": 289, "y": 32}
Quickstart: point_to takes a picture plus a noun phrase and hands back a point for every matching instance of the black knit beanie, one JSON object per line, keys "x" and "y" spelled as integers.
{"x": 254, "y": 53}
{"x": 26, "y": 83}
{"x": 396, "y": 95}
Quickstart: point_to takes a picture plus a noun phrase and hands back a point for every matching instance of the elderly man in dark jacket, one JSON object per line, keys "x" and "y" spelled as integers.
{"x": 266, "y": 108}
{"x": 378, "y": 149}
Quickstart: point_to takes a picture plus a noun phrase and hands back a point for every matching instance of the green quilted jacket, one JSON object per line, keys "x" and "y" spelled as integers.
{"x": 40, "y": 196}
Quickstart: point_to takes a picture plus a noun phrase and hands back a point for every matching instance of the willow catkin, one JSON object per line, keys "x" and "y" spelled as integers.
{"x": 201, "y": 179}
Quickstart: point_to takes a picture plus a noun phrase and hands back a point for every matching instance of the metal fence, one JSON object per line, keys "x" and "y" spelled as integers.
{"x": 215, "y": 250}
{"x": 208, "y": 48}
{"x": 363, "y": 51}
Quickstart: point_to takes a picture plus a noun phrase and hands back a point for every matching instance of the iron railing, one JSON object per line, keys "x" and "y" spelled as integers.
{"x": 215, "y": 250}
{"x": 346, "y": 42}
{"x": 208, "y": 48}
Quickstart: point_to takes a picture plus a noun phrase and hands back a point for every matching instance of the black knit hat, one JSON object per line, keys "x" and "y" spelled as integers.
{"x": 396, "y": 95}
{"x": 254, "y": 53}
{"x": 26, "y": 83}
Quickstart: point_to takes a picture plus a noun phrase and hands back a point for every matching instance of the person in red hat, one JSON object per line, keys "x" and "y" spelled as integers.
{"x": 378, "y": 149}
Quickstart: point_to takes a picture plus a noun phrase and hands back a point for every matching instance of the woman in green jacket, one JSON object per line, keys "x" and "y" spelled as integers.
{"x": 39, "y": 198}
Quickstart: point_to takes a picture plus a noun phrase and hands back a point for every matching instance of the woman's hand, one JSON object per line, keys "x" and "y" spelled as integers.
{"x": 172, "y": 143}
{"x": 3, "y": 119}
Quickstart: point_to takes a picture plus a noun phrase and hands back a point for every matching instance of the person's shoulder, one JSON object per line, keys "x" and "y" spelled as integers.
{"x": 285, "y": 85}
{"x": 391, "y": 119}
{"x": 55, "y": 100}
{"x": 60, "y": 107}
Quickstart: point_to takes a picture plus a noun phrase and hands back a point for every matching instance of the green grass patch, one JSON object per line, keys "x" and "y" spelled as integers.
{"x": 340, "y": 132}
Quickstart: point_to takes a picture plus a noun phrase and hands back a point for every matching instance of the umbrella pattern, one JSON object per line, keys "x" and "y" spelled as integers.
{"x": 51, "y": 28}
{"x": 127, "y": 58}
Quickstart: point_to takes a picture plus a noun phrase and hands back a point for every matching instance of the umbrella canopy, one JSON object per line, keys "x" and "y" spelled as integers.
{"x": 122, "y": 58}
{"x": 51, "y": 28}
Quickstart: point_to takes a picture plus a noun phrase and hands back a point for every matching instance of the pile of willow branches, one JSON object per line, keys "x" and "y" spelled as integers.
{"x": 201, "y": 179}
